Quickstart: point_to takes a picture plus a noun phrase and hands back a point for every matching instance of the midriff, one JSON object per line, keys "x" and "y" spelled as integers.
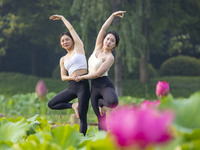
{"x": 79, "y": 72}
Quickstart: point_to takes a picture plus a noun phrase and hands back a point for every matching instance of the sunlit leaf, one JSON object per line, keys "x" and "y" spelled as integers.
{"x": 6, "y": 145}
{"x": 35, "y": 143}
{"x": 65, "y": 136}
{"x": 100, "y": 145}
{"x": 187, "y": 111}
{"x": 12, "y": 131}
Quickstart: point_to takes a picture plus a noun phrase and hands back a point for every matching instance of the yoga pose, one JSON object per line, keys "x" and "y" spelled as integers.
{"x": 102, "y": 90}
{"x": 74, "y": 62}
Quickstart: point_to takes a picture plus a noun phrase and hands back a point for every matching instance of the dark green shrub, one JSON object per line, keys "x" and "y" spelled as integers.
{"x": 180, "y": 66}
{"x": 16, "y": 83}
{"x": 136, "y": 72}
{"x": 180, "y": 86}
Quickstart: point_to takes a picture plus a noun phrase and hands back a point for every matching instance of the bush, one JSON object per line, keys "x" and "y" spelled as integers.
{"x": 136, "y": 72}
{"x": 16, "y": 83}
{"x": 180, "y": 86}
{"x": 180, "y": 66}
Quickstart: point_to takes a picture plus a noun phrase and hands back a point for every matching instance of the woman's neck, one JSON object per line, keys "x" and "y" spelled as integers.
{"x": 105, "y": 51}
{"x": 70, "y": 51}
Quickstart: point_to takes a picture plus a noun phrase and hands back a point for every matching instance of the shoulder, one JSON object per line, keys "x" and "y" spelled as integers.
{"x": 62, "y": 59}
{"x": 110, "y": 58}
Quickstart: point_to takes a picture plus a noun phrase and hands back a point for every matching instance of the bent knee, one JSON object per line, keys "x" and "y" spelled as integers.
{"x": 113, "y": 104}
{"x": 50, "y": 105}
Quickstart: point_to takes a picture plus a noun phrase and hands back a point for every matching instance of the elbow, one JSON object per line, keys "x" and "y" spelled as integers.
{"x": 97, "y": 75}
{"x": 62, "y": 78}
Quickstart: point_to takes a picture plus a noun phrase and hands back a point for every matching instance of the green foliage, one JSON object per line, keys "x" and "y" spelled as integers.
{"x": 41, "y": 135}
{"x": 181, "y": 66}
{"x": 14, "y": 83}
{"x": 186, "y": 124}
{"x": 179, "y": 86}
{"x": 28, "y": 38}
{"x": 179, "y": 43}
{"x": 185, "y": 121}
{"x": 69, "y": 137}
{"x": 59, "y": 138}
{"x": 135, "y": 73}
{"x": 13, "y": 131}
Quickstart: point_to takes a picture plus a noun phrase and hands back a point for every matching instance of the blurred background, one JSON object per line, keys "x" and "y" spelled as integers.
{"x": 159, "y": 40}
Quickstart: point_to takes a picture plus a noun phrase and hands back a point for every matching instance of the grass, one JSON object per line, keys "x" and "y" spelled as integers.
{"x": 134, "y": 92}
{"x": 15, "y": 83}
{"x": 179, "y": 87}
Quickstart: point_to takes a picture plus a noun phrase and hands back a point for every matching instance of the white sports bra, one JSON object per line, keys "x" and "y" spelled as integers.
{"x": 76, "y": 62}
{"x": 94, "y": 63}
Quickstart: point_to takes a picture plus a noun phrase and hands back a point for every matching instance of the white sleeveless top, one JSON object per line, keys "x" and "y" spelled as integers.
{"x": 94, "y": 63}
{"x": 76, "y": 62}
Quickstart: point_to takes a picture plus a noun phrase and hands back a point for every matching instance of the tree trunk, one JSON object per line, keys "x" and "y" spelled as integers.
{"x": 0, "y": 62}
{"x": 118, "y": 62}
{"x": 145, "y": 32}
{"x": 144, "y": 68}
{"x": 118, "y": 76}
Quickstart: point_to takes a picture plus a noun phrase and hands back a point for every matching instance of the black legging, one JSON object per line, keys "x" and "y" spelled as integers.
{"x": 102, "y": 94}
{"x": 74, "y": 90}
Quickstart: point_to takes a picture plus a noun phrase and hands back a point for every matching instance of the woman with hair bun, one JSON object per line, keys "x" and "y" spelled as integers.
{"x": 71, "y": 65}
{"x": 102, "y": 90}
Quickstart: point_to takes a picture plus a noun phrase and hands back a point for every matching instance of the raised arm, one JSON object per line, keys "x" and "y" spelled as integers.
{"x": 100, "y": 37}
{"x": 77, "y": 41}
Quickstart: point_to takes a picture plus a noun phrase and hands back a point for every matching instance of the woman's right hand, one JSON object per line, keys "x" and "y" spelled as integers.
{"x": 119, "y": 13}
{"x": 56, "y": 17}
{"x": 78, "y": 78}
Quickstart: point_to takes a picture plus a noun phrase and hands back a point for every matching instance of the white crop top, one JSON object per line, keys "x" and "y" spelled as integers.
{"x": 76, "y": 62}
{"x": 94, "y": 63}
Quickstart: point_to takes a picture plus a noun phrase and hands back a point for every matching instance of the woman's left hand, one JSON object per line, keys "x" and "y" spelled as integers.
{"x": 78, "y": 78}
{"x": 56, "y": 17}
{"x": 119, "y": 14}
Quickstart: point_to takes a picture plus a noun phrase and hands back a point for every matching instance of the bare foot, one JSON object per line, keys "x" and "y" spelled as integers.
{"x": 102, "y": 111}
{"x": 75, "y": 107}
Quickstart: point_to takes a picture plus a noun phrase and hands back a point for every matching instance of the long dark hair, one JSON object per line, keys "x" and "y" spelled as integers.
{"x": 115, "y": 35}
{"x": 66, "y": 33}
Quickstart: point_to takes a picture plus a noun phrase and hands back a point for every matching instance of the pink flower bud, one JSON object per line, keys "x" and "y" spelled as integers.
{"x": 41, "y": 89}
{"x": 162, "y": 88}
{"x": 137, "y": 126}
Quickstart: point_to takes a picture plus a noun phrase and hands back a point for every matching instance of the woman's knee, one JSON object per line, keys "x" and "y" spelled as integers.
{"x": 113, "y": 103}
{"x": 50, "y": 105}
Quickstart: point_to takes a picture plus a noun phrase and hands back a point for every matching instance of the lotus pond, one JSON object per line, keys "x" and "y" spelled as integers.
{"x": 41, "y": 128}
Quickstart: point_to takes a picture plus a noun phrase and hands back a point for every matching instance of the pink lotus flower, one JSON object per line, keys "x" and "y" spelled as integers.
{"x": 41, "y": 89}
{"x": 138, "y": 126}
{"x": 148, "y": 103}
{"x": 162, "y": 88}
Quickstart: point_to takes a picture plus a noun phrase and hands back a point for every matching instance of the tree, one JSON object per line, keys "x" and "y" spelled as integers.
{"x": 28, "y": 21}
{"x": 174, "y": 29}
